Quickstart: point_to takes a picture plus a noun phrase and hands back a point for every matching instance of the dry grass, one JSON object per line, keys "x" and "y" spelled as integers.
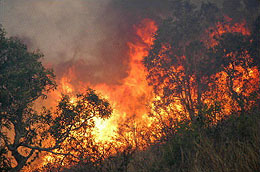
{"x": 231, "y": 146}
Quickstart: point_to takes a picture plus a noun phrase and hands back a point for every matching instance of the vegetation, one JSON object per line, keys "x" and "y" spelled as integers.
{"x": 232, "y": 145}
{"x": 206, "y": 82}
{"x": 189, "y": 55}
{"x": 224, "y": 147}
{"x": 23, "y": 79}
{"x": 219, "y": 125}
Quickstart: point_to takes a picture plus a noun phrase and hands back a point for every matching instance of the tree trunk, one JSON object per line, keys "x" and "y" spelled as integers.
{"x": 21, "y": 160}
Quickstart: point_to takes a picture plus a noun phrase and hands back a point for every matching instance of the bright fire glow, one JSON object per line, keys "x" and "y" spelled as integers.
{"x": 130, "y": 99}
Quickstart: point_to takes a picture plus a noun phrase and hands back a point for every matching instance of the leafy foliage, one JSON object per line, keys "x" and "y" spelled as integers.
{"x": 186, "y": 69}
{"x": 178, "y": 63}
{"x": 190, "y": 59}
{"x": 5, "y": 163}
{"x": 23, "y": 79}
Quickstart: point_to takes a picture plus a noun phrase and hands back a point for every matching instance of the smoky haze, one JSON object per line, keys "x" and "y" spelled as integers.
{"x": 90, "y": 35}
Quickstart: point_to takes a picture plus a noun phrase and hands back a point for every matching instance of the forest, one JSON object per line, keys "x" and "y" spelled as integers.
{"x": 168, "y": 86}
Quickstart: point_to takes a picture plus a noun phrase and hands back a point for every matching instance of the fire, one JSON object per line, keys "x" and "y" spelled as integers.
{"x": 133, "y": 95}
{"x": 246, "y": 80}
{"x": 131, "y": 98}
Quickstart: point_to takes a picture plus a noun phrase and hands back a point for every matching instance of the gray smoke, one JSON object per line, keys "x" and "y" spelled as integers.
{"x": 62, "y": 30}
{"x": 90, "y": 35}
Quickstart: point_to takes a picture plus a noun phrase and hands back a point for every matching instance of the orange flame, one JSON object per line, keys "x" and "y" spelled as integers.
{"x": 129, "y": 100}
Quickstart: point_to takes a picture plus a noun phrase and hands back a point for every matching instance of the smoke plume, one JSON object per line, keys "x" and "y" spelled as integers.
{"x": 89, "y": 35}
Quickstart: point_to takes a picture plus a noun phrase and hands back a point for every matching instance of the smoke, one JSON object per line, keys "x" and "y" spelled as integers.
{"x": 90, "y": 35}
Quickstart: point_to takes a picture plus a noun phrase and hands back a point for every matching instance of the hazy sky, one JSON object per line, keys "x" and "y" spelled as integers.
{"x": 89, "y": 34}
{"x": 58, "y": 28}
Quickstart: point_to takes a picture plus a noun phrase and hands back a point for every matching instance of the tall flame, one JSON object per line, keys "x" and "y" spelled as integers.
{"x": 133, "y": 95}
{"x": 129, "y": 100}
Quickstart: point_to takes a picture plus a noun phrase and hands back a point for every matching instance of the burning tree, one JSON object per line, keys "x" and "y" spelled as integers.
{"x": 178, "y": 63}
{"x": 199, "y": 65}
{"x": 26, "y": 132}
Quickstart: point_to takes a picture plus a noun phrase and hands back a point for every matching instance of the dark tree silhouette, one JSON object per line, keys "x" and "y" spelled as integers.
{"x": 179, "y": 64}
{"x": 25, "y": 131}
{"x": 186, "y": 63}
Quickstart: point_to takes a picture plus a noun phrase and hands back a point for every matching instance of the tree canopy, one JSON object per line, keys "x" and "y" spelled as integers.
{"x": 23, "y": 79}
{"x": 197, "y": 60}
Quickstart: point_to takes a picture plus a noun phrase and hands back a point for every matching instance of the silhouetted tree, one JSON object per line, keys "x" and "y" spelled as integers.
{"x": 237, "y": 65}
{"x": 5, "y": 162}
{"x": 25, "y": 131}
{"x": 179, "y": 65}
{"x": 23, "y": 79}
{"x": 185, "y": 59}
